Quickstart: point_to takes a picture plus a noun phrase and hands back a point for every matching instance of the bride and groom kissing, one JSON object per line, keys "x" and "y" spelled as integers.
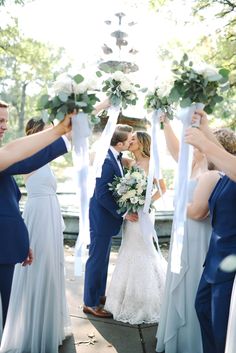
{"x": 137, "y": 263}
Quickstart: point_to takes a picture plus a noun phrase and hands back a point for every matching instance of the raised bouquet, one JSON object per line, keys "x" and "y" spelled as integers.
{"x": 120, "y": 90}
{"x": 69, "y": 94}
{"x": 199, "y": 83}
{"x": 130, "y": 190}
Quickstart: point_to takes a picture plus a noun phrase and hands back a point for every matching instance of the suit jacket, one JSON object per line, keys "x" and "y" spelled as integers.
{"x": 14, "y": 240}
{"x": 223, "y": 240}
{"x": 103, "y": 215}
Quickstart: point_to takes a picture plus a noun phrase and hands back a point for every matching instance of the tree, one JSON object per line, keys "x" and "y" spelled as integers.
{"x": 18, "y": 2}
{"x": 26, "y": 67}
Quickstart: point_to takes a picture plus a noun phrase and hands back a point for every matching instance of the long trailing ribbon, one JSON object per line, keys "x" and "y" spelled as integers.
{"x": 105, "y": 139}
{"x": 146, "y": 223}
{"x": 154, "y": 163}
{"x": 80, "y": 133}
{"x": 181, "y": 189}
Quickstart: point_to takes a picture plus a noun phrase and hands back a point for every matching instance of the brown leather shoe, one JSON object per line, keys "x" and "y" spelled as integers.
{"x": 102, "y": 300}
{"x": 97, "y": 311}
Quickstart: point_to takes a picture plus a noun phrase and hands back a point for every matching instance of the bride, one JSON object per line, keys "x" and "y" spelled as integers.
{"x": 137, "y": 284}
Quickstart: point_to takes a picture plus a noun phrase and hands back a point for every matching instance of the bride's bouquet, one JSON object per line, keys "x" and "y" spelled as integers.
{"x": 120, "y": 90}
{"x": 130, "y": 190}
{"x": 199, "y": 83}
{"x": 68, "y": 94}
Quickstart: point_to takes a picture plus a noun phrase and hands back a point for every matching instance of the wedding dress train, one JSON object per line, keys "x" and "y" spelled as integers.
{"x": 135, "y": 292}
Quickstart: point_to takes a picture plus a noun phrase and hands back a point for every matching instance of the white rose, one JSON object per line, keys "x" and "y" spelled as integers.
{"x": 134, "y": 200}
{"x": 130, "y": 193}
{"x": 125, "y": 86}
{"x": 136, "y": 175}
{"x": 141, "y": 201}
{"x": 118, "y": 76}
{"x": 66, "y": 84}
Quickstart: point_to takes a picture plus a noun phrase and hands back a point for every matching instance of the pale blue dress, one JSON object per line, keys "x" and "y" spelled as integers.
{"x": 38, "y": 319}
{"x": 179, "y": 330}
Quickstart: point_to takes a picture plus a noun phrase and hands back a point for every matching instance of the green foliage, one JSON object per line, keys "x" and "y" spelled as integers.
{"x": 153, "y": 101}
{"x": 120, "y": 90}
{"x": 26, "y": 68}
{"x": 168, "y": 176}
{"x": 18, "y": 2}
{"x": 68, "y": 98}
{"x": 202, "y": 85}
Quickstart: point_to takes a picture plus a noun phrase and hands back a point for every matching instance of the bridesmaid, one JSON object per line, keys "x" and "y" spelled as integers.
{"x": 178, "y": 329}
{"x": 38, "y": 314}
{"x": 214, "y": 291}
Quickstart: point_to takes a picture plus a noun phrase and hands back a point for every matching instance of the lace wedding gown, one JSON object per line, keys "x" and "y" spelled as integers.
{"x": 38, "y": 320}
{"x": 179, "y": 330}
{"x": 137, "y": 285}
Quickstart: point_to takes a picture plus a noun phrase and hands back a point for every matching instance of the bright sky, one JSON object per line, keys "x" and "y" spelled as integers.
{"x": 78, "y": 25}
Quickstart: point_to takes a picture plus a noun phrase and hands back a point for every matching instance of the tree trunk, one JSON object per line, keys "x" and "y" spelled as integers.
{"x": 22, "y": 110}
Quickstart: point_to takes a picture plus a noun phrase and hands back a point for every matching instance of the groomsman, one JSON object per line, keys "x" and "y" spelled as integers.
{"x": 105, "y": 222}
{"x": 14, "y": 235}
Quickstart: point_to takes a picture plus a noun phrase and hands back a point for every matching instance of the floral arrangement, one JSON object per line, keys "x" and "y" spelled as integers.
{"x": 156, "y": 100}
{"x": 120, "y": 90}
{"x": 69, "y": 94}
{"x": 198, "y": 84}
{"x": 130, "y": 190}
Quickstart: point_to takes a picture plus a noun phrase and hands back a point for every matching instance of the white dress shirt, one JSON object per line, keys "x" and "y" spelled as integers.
{"x": 116, "y": 154}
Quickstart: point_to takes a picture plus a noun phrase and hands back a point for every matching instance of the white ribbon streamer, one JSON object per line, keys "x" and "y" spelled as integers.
{"x": 146, "y": 221}
{"x": 80, "y": 133}
{"x": 154, "y": 163}
{"x": 105, "y": 139}
{"x": 181, "y": 189}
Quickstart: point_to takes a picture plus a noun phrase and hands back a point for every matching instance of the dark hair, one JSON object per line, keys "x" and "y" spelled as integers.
{"x": 120, "y": 134}
{"x": 34, "y": 125}
{"x": 145, "y": 141}
{"x": 3, "y": 104}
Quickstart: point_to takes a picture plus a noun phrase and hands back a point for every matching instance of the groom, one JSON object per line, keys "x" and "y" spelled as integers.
{"x": 105, "y": 222}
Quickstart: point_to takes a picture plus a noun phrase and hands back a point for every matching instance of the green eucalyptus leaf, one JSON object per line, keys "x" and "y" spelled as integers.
{"x": 78, "y": 78}
{"x": 63, "y": 96}
{"x": 43, "y": 100}
{"x": 186, "y": 102}
{"x": 99, "y": 74}
{"x": 60, "y": 115}
{"x": 224, "y": 72}
{"x": 208, "y": 109}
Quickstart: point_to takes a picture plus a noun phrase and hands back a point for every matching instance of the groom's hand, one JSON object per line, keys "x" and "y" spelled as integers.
{"x": 132, "y": 217}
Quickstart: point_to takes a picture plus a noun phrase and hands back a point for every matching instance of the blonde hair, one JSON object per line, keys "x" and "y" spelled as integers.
{"x": 145, "y": 141}
{"x": 227, "y": 138}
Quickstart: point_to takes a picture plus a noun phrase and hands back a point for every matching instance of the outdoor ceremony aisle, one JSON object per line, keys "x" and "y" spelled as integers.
{"x": 92, "y": 334}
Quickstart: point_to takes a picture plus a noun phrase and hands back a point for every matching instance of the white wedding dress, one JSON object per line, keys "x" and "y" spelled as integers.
{"x": 38, "y": 319}
{"x": 135, "y": 292}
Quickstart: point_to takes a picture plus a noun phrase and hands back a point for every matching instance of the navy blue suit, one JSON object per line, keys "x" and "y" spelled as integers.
{"x": 14, "y": 235}
{"x": 214, "y": 292}
{"x": 105, "y": 222}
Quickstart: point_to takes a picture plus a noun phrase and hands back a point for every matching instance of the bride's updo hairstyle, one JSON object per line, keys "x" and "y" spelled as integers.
{"x": 34, "y": 125}
{"x": 121, "y": 133}
{"x": 144, "y": 140}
